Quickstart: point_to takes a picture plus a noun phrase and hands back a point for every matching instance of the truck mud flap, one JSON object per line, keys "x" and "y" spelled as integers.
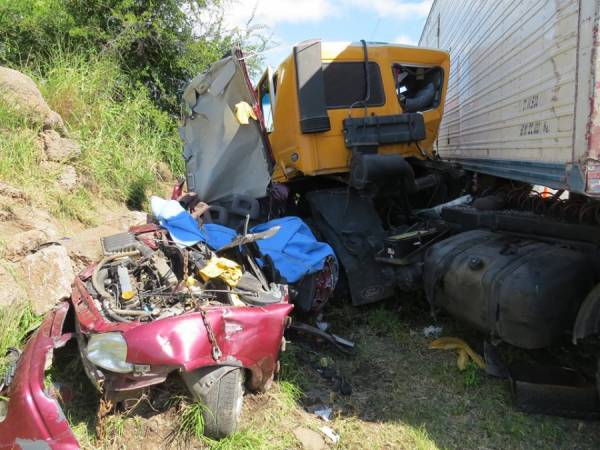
{"x": 350, "y": 224}
{"x": 552, "y": 390}
{"x": 545, "y": 389}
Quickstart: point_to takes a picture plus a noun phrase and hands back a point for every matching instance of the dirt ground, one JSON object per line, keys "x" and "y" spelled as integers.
{"x": 403, "y": 396}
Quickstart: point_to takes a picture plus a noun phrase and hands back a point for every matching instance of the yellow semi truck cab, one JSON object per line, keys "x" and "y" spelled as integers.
{"x": 341, "y": 135}
{"x": 307, "y": 100}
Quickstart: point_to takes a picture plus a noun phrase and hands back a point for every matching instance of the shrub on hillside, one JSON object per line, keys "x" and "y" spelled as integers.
{"x": 159, "y": 43}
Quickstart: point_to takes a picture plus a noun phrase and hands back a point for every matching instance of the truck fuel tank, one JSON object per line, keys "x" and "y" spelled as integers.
{"x": 524, "y": 291}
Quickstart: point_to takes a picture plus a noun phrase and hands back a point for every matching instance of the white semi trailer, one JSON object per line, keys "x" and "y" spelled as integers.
{"x": 523, "y": 97}
{"x": 522, "y": 120}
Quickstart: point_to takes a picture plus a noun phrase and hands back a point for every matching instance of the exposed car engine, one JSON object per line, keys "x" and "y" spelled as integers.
{"x": 149, "y": 277}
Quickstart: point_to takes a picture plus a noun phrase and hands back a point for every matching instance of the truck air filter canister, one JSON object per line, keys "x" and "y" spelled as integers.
{"x": 523, "y": 291}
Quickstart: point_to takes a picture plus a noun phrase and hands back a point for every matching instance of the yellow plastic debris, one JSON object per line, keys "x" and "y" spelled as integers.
{"x": 464, "y": 351}
{"x": 243, "y": 113}
{"x": 228, "y": 271}
{"x": 127, "y": 295}
{"x": 190, "y": 281}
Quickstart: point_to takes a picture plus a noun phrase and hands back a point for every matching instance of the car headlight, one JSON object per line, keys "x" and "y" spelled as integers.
{"x": 109, "y": 351}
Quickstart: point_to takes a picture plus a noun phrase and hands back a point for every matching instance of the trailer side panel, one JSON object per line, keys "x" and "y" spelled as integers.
{"x": 521, "y": 89}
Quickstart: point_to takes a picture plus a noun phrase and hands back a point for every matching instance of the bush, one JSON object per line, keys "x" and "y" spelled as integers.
{"x": 158, "y": 43}
{"x": 114, "y": 70}
{"x": 16, "y": 324}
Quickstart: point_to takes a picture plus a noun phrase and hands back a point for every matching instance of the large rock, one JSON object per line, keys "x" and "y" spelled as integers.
{"x": 54, "y": 121}
{"x": 20, "y": 93}
{"x": 58, "y": 148}
{"x": 30, "y": 218}
{"x": 24, "y": 243}
{"x": 84, "y": 247}
{"x": 6, "y": 190}
{"x": 133, "y": 218}
{"x": 11, "y": 290}
{"x": 7, "y": 214}
{"x": 48, "y": 277}
{"x": 67, "y": 179}
{"x": 66, "y": 175}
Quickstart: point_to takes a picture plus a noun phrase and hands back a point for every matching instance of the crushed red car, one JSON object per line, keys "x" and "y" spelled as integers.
{"x": 181, "y": 309}
{"x": 151, "y": 307}
{"x": 34, "y": 418}
{"x": 210, "y": 302}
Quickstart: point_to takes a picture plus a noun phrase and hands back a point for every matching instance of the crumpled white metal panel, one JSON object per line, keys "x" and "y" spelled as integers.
{"x": 224, "y": 157}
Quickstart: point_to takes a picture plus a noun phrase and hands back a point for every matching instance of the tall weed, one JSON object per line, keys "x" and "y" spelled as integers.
{"x": 125, "y": 138}
{"x": 16, "y": 324}
{"x": 128, "y": 145}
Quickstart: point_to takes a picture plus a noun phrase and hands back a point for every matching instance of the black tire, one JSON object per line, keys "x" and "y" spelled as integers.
{"x": 221, "y": 390}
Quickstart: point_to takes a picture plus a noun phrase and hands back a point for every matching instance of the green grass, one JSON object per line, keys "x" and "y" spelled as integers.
{"x": 404, "y": 397}
{"x": 289, "y": 394}
{"x": 472, "y": 375}
{"x": 20, "y": 164}
{"x": 76, "y": 205}
{"x": 242, "y": 440}
{"x": 190, "y": 426}
{"x": 382, "y": 320}
{"x": 128, "y": 145}
{"x": 20, "y": 155}
{"x": 16, "y": 324}
{"x": 191, "y": 422}
{"x": 81, "y": 410}
{"x": 114, "y": 426}
{"x": 289, "y": 369}
{"x": 124, "y": 137}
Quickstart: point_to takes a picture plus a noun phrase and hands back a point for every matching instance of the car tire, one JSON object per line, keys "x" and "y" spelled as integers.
{"x": 221, "y": 390}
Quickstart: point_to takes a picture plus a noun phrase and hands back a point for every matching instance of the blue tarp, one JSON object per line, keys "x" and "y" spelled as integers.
{"x": 217, "y": 236}
{"x": 294, "y": 249}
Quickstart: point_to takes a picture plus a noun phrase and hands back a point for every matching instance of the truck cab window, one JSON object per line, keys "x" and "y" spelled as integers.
{"x": 418, "y": 88}
{"x": 267, "y": 111}
{"x": 266, "y": 102}
{"x": 345, "y": 84}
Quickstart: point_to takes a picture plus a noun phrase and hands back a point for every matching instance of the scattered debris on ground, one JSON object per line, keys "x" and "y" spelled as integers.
{"x": 400, "y": 389}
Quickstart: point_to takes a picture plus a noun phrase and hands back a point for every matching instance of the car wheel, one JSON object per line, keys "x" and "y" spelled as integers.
{"x": 221, "y": 390}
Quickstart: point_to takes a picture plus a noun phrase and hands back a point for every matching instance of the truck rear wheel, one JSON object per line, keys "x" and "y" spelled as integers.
{"x": 221, "y": 390}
